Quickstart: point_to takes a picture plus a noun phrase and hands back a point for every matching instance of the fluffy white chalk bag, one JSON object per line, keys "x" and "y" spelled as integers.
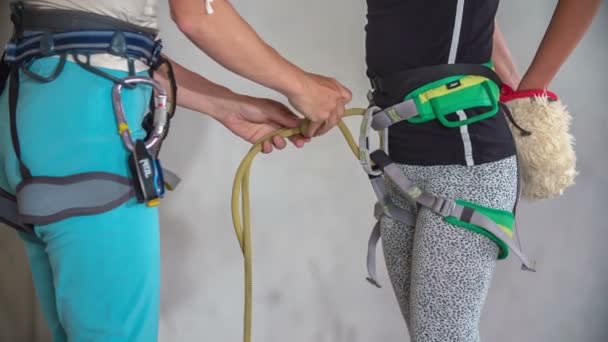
{"x": 545, "y": 148}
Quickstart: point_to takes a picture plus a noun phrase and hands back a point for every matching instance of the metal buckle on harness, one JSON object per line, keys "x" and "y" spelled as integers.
{"x": 443, "y": 206}
{"x": 144, "y": 165}
{"x": 364, "y": 144}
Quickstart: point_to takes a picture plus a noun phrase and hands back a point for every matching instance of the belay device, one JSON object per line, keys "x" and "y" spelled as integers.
{"x": 147, "y": 174}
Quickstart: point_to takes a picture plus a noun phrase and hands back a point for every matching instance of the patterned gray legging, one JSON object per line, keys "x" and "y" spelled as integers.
{"x": 441, "y": 273}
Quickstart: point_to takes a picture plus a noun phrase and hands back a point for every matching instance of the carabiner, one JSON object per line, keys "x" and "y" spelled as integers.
{"x": 364, "y": 148}
{"x": 160, "y": 122}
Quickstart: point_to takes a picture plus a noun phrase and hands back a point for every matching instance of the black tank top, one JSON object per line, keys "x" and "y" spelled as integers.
{"x": 406, "y": 34}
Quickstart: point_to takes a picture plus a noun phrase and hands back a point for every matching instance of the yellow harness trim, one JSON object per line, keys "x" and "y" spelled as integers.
{"x": 465, "y": 82}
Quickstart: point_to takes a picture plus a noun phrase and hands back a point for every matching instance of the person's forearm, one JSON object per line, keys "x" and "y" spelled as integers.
{"x": 198, "y": 93}
{"x": 231, "y": 42}
{"x": 503, "y": 61}
{"x": 568, "y": 25}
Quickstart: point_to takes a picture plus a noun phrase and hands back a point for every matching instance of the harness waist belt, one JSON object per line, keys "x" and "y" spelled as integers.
{"x": 53, "y": 20}
{"x": 437, "y": 91}
{"x": 406, "y": 81}
{"x": 119, "y": 43}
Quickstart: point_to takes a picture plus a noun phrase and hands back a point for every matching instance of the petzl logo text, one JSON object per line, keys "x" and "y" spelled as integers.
{"x": 146, "y": 168}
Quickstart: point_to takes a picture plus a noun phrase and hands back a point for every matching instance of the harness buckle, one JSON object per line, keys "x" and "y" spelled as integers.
{"x": 443, "y": 207}
{"x": 375, "y": 83}
{"x": 364, "y": 144}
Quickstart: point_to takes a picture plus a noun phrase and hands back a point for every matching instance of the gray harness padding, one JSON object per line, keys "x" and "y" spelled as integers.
{"x": 45, "y": 200}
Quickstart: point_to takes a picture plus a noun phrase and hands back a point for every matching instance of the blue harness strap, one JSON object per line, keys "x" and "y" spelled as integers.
{"x": 35, "y": 44}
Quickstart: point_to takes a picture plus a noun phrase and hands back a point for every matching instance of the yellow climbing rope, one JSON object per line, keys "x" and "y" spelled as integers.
{"x": 240, "y": 190}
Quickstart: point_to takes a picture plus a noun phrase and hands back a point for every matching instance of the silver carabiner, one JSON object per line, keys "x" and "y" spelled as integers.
{"x": 160, "y": 113}
{"x": 364, "y": 148}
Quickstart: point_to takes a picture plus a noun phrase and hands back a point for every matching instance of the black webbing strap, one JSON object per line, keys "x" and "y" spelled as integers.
{"x": 13, "y": 98}
{"x": 4, "y": 72}
{"x": 509, "y": 115}
{"x": 9, "y": 214}
{"x": 55, "y": 20}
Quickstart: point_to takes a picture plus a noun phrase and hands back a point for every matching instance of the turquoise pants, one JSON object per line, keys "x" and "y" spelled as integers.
{"x": 96, "y": 277}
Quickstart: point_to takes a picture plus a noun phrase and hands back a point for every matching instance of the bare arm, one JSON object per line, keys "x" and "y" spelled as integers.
{"x": 503, "y": 61}
{"x": 230, "y": 41}
{"x": 248, "y": 117}
{"x": 569, "y": 23}
{"x": 197, "y": 93}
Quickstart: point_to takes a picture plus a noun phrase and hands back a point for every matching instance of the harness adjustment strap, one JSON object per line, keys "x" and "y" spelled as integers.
{"x": 400, "y": 112}
{"x": 384, "y": 207}
{"x": 447, "y": 208}
{"x": 4, "y": 72}
{"x": 9, "y": 213}
{"x": 372, "y": 275}
{"x": 45, "y": 79}
{"x": 394, "y": 212}
{"x": 474, "y": 217}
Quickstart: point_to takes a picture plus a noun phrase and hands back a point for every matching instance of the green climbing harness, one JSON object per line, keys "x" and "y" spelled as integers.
{"x": 476, "y": 87}
{"x": 450, "y": 82}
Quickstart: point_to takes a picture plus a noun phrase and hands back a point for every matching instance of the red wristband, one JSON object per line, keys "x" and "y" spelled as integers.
{"x": 507, "y": 94}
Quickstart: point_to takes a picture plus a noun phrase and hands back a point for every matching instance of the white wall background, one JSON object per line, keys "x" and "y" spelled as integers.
{"x": 312, "y": 208}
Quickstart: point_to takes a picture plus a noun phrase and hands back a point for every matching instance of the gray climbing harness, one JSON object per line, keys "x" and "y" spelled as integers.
{"x": 41, "y": 200}
{"x": 380, "y": 168}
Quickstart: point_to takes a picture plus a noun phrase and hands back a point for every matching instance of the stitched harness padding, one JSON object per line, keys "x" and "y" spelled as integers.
{"x": 44, "y": 200}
